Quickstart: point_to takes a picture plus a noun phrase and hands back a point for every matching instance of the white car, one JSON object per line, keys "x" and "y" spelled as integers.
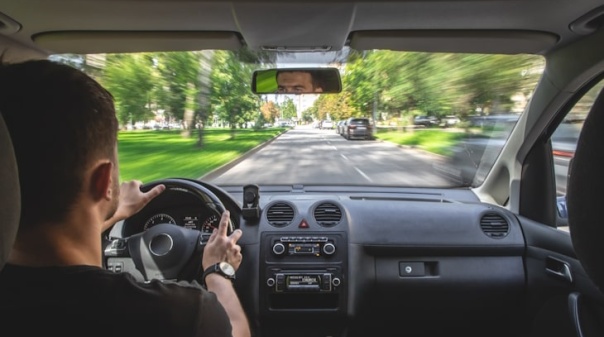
{"x": 449, "y": 121}
{"x": 327, "y": 124}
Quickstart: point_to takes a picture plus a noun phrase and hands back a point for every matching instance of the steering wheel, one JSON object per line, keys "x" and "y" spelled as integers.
{"x": 165, "y": 251}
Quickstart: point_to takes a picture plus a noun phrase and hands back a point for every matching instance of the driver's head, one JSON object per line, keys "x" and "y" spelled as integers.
{"x": 297, "y": 82}
{"x": 64, "y": 131}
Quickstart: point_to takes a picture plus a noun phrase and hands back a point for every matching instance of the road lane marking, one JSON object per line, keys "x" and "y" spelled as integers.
{"x": 343, "y": 156}
{"x": 363, "y": 174}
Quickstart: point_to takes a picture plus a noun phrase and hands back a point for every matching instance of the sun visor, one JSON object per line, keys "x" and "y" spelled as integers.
{"x": 130, "y": 42}
{"x": 460, "y": 41}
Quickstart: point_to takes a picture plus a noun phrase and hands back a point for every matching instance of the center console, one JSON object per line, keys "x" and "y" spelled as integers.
{"x": 304, "y": 276}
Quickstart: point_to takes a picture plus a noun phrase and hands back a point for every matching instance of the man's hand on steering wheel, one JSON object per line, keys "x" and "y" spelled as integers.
{"x": 132, "y": 200}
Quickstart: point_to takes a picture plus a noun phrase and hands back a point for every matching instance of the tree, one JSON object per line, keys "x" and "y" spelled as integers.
{"x": 270, "y": 111}
{"x": 437, "y": 84}
{"x": 288, "y": 109}
{"x": 335, "y": 107}
{"x": 230, "y": 95}
{"x": 130, "y": 79}
{"x": 179, "y": 73}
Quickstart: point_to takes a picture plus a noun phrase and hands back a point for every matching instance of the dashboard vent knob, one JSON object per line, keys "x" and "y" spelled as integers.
{"x": 494, "y": 225}
{"x": 328, "y": 214}
{"x": 280, "y": 214}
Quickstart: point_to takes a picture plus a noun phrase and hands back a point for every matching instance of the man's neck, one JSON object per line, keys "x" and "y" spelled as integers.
{"x": 59, "y": 244}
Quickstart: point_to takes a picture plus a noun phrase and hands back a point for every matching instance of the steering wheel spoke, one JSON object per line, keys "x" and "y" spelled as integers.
{"x": 163, "y": 251}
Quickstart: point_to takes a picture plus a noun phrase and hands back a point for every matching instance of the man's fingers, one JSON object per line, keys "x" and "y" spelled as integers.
{"x": 224, "y": 223}
{"x": 235, "y": 235}
{"x": 155, "y": 191}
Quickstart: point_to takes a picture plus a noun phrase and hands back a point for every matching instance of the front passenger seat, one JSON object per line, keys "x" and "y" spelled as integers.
{"x": 585, "y": 198}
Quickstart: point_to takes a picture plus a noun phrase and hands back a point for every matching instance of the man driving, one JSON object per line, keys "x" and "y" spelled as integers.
{"x": 64, "y": 131}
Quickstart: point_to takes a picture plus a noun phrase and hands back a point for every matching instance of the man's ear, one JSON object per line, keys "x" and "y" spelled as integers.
{"x": 101, "y": 180}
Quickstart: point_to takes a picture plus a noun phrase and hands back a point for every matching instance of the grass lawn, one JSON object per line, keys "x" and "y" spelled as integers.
{"x": 436, "y": 141}
{"x": 151, "y": 155}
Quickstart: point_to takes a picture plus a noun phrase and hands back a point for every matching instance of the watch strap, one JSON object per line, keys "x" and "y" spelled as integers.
{"x": 215, "y": 268}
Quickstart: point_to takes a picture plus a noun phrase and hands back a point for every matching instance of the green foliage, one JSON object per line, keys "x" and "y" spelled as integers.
{"x": 212, "y": 86}
{"x": 289, "y": 108}
{"x": 259, "y": 123}
{"x": 270, "y": 111}
{"x": 150, "y": 155}
{"x": 130, "y": 79}
{"x": 404, "y": 84}
{"x": 336, "y": 107}
{"x": 230, "y": 95}
{"x": 179, "y": 86}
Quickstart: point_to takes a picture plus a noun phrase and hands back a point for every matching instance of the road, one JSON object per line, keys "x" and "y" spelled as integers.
{"x": 305, "y": 155}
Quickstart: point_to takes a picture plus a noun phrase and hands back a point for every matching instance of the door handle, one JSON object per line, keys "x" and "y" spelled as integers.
{"x": 559, "y": 269}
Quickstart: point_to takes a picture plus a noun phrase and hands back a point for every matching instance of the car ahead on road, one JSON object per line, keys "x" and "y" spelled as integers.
{"x": 426, "y": 121}
{"x": 358, "y": 128}
{"x": 339, "y": 238}
{"x": 327, "y": 124}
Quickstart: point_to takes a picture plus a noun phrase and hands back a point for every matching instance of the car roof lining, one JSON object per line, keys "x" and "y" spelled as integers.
{"x": 507, "y": 26}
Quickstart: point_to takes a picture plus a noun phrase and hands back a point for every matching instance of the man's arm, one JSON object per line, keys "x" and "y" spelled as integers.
{"x": 219, "y": 248}
{"x": 225, "y": 292}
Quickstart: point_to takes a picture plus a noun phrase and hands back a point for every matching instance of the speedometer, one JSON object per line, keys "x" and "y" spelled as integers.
{"x": 210, "y": 224}
{"x": 159, "y": 219}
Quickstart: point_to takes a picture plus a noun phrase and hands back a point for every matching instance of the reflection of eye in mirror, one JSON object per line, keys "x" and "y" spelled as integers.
{"x": 297, "y": 81}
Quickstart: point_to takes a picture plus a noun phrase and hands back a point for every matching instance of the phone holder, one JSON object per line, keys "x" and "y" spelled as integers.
{"x": 250, "y": 209}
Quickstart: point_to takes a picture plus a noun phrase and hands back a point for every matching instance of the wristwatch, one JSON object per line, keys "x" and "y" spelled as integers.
{"x": 222, "y": 268}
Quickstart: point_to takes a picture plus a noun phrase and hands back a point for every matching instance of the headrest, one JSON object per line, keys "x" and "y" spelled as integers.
{"x": 10, "y": 196}
{"x": 585, "y": 194}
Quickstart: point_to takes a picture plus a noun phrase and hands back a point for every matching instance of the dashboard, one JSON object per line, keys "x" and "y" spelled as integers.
{"x": 334, "y": 254}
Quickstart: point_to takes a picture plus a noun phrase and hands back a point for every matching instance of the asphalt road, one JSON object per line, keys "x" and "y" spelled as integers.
{"x": 305, "y": 155}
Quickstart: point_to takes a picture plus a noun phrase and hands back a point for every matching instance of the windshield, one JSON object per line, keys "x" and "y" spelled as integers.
{"x": 405, "y": 119}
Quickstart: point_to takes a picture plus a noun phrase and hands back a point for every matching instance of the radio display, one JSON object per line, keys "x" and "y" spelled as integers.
{"x": 304, "y": 249}
{"x": 303, "y": 280}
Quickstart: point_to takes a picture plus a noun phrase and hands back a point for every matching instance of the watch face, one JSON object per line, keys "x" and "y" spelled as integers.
{"x": 227, "y": 268}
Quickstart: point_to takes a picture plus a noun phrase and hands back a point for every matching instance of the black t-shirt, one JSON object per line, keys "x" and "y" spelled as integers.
{"x": 91, "y": 301}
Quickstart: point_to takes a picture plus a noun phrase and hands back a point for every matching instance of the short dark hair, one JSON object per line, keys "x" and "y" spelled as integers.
{"x": 60, "y": 121}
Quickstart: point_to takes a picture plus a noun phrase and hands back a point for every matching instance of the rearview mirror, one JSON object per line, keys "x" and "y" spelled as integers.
{"x": 297, "y": 81}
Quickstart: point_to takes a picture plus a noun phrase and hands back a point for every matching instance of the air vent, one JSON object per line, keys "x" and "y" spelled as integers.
{"x": 280, "y": 214}
{"x": 328, "y": 214}
{"x": 494, "y": 225}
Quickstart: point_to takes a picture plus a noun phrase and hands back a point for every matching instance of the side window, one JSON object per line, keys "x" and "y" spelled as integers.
{"x": 564, "y": 141}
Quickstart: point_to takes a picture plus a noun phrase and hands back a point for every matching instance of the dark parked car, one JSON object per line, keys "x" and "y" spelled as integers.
{"x": 340, "y": 127}
{"x": 358, "y": 128}
{"x": 426, "y": 121}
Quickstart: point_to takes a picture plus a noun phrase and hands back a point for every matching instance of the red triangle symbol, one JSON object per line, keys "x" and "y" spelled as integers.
{"x": 303, "y": 224}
